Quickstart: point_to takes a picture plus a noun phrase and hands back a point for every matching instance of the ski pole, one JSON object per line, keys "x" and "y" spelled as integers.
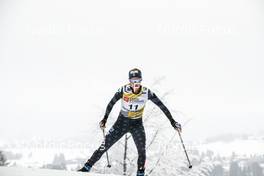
{"x": 107, "y": 157}
{"x": 190, "y": 165}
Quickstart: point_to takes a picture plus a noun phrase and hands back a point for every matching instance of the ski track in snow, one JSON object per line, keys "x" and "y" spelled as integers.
{"x": 20, "y": 171}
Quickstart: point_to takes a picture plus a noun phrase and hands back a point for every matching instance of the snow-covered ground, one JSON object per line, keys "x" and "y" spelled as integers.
{"x": 38, "y": 156}
{"x": 169, "y": 162}
{"x": 19, "y": 171}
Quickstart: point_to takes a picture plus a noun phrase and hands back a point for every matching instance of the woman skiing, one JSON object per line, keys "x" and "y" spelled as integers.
{"x": 133, "y": 99}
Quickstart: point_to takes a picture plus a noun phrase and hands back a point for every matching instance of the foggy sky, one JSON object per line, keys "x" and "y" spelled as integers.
{"x": 62, "y": 61}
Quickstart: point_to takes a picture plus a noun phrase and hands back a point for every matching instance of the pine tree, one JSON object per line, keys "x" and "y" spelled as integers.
{"x": 256, "y": 169}
{"x": 218, "y": 171}
{"x": 235, "y": 170}
{"x": 59, "y": 162}
{"x": 2, "y": 159}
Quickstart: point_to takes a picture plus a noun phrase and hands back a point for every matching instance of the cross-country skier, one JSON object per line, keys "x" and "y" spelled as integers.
{"x": 133, "y": 99}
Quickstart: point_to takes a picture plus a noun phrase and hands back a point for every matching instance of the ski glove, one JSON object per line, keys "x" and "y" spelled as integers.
{"x": 176, "y": 125}
{"x": 102, "y": 123}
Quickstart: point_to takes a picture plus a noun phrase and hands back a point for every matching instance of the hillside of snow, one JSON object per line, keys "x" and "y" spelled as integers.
{"x": 207, "y": 157}
{"x": 238, "y": 146}
{"x": 19, "y": 171}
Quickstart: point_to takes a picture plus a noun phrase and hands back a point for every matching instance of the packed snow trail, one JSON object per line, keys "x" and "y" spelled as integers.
{"x": 19, "y": 171}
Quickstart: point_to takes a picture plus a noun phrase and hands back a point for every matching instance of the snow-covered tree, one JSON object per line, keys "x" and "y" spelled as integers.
{"x": 235, "y": 170}
{"x": 2, "y": 159}
{"x": 256, "y": 169}
{"x": 58, "y": 163}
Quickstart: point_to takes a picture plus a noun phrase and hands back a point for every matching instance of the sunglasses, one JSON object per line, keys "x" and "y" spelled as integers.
{"x": 135, "y": 80}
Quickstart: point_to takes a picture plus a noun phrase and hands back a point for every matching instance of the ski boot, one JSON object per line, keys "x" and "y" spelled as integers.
{"x": 85, "y": 168}
{"x": 140, "y": 173}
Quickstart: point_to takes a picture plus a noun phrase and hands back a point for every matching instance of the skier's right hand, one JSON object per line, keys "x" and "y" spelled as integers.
{"x": 176, "y": 126}
{"x": 102, "y": 123}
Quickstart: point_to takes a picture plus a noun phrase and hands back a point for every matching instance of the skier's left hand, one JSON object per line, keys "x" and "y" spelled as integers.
{"x": 176, "y": 125}
{"x": 102, "y": 123}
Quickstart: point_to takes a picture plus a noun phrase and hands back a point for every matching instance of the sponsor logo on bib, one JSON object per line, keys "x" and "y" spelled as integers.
{"x": 126, "y": 99}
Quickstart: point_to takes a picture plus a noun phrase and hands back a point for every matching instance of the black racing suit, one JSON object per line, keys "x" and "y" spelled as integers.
{"x": 124, "y": 125}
